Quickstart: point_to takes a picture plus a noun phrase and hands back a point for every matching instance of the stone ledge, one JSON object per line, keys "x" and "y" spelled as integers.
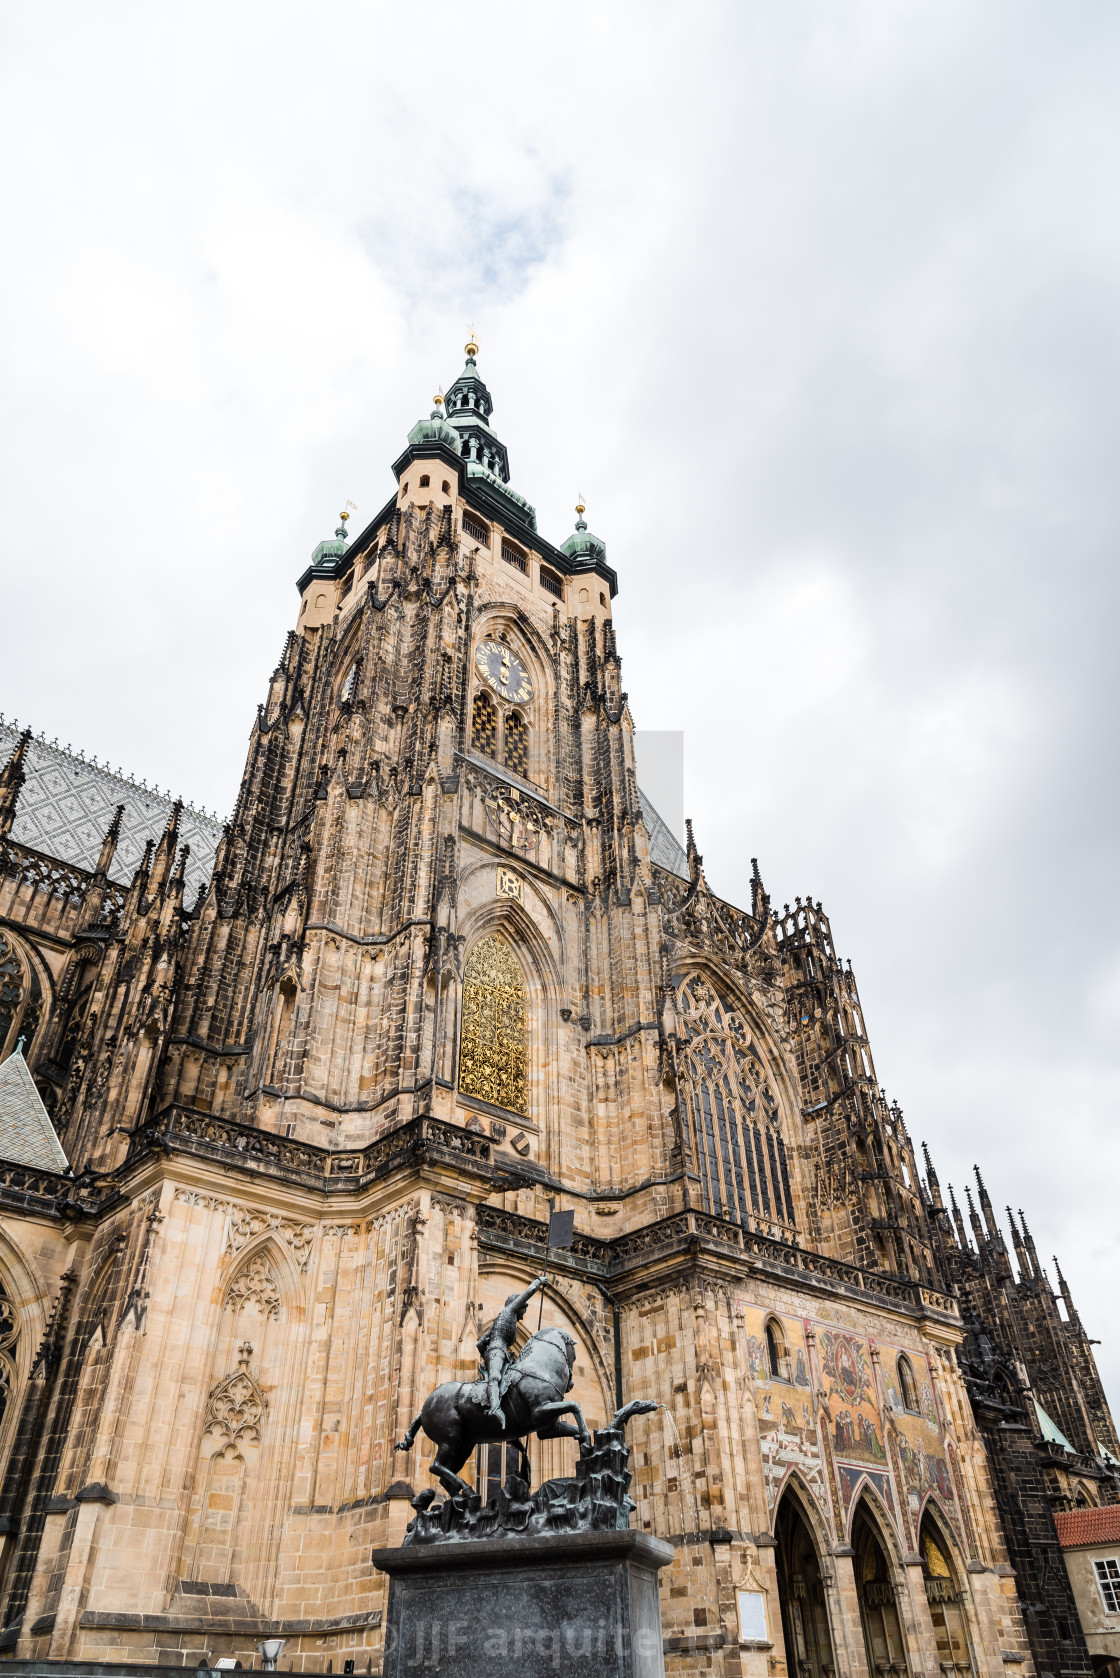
{"x": 640, "y": 1547}
{"x": 226, "y": 1626}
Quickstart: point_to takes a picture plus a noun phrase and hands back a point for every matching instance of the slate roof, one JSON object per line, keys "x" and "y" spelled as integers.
{"x": 67, "y": 802}
{"x": 664, "y": 846}
{"x": 1051, "y": 1430}
{"x": 1080, "y": 1527}
{"x": 27, "y": 1136}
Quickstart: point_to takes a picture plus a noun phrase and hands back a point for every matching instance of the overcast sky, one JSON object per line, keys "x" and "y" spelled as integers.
{"x": 816, "y": 303}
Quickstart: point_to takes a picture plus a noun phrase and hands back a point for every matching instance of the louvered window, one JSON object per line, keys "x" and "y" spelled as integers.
{"x": 551, "y": 583}
{"x": 476, "y": 530}
{"x": 514, "y": 556}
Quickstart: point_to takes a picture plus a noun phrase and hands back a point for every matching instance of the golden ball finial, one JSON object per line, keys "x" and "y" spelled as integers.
{"x": 581, "y": 507}
{"x": 471, "y": 345}
{"x": 438, "y": 398}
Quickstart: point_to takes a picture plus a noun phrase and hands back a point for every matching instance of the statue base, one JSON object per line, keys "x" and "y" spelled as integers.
{"x": 582, "y": 1603}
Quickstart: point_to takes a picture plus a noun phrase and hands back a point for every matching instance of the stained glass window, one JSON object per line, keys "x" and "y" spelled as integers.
{"x": 493, "y": 1057}
{"x": 740, "y": 1153}
{"x": 517, "y": 744}
{"x": 484, "y": 725}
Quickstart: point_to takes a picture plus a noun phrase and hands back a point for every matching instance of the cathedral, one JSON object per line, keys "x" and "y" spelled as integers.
{"x": 286, "y": 1103}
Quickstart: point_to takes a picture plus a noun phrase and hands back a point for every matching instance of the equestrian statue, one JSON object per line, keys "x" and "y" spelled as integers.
{"x": 512, "y": 1398}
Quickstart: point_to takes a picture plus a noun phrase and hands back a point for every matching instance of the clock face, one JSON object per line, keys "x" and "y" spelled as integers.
{"x": 503, "y": 671}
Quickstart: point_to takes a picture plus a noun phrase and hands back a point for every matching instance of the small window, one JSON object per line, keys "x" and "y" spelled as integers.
{"x": 777, "y": 1356}
{"x": 404, "y": 491}
{"x": 517, "y": 744}
{"x": 446, "y": 487}
{"x": 551, "y": 583}
{"x": 907, "y": 1386}
{"x": 425, "y": 481}
{"x": 347, "y": 584}
{"x": 1108, "y": 1578}
{"x": 484, "y": 726}
{"x": 602, "y": 599}
{"x": 476, "y": 530}
{"x": 514, "y": 556}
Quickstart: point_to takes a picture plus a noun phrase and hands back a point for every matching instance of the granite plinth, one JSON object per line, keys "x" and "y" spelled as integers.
{"x": 580, "y": 1604}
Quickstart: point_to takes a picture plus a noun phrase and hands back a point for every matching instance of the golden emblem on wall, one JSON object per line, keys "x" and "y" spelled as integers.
{"x": 514, "y": 818}
{"x": 509, "y": 885}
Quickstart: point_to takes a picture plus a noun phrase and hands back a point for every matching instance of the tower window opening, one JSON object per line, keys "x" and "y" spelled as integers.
{"x": 907, "y": 1386}
{"x": 517, "y": 744}
{"x": 551, "y": 583}
{"x": 425, "y": 481}
{"x": 514, "y": 556}
{"x": 476, "y": 530}
{"x": 446, "y": 487}
{"x": 405, "y": 490}
{"x": 777, "y": 1350}
{"x": 484, "y": 726}
{"x": 602, "y": 598}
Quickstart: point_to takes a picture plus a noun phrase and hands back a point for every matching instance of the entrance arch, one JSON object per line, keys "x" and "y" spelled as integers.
{"x": 878, "y": 1610}
{"x": 946, "y": 1599}
{"x": 801, "y": 1594}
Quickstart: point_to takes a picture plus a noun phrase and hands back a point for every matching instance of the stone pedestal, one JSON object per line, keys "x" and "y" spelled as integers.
{"x": 581, "y": 1604}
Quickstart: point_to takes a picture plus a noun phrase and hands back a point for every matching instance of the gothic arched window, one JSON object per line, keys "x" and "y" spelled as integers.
{"x": 744, "y": 1171}
{"x": 907, "y": 1386}
{"x": 484, "y": 725}
{"x": 517, "y": 744}
{"x": 21, "y": 999}
{"x": 777, "y": 1351}
{"x": 493, "y": 1055}
{"x": 349, "y": 685}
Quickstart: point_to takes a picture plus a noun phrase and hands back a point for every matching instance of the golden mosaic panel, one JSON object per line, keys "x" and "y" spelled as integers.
{"x": 493, "y": 1054}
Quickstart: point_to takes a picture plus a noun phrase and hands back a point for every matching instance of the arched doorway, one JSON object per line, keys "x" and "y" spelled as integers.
{"x": 946, "y": 1606}
{"x": 878, "y": 1611}
{"x": 801, "y": 1594}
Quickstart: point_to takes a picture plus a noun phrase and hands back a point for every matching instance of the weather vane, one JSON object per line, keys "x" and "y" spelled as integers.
{"x": 471, "y": 345}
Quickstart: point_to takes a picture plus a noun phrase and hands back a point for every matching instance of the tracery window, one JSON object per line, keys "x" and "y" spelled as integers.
{"x": 21, "y": 999}
{"x": 484, "y": 725}
{"x": 493, "y": 1052}
{"x": 9, "y": 1336}
{"x": 740, "y": 1151}
{"x": 349, "y": 685}
{"x": 517, "y": 744}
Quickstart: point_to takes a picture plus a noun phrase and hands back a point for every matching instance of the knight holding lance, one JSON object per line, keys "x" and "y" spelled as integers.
{"x": 494, "y": 1345}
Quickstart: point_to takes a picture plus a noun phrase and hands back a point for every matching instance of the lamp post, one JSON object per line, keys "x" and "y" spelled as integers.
{"x": 270, "y": 1651}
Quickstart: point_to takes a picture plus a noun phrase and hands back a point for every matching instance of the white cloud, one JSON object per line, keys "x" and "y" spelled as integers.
{"x": 816, "y": 304}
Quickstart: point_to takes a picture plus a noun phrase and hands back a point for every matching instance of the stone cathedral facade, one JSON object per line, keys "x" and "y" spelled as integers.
{"x": 284, "y": 1107}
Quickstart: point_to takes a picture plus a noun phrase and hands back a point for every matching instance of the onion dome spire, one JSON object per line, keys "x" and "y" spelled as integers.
{"x": 435, "y": 428}
{"x": 582, "y": 547}
{"x": 469, "y": 407}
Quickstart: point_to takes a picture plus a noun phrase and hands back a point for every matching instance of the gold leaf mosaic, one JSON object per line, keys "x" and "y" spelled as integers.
{"x": 493, "y": 1059}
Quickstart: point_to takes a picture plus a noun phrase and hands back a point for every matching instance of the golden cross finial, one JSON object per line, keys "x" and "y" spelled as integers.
{"x": 471, "y": 345}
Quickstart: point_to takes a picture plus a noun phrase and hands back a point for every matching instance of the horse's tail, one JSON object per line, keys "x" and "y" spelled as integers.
{"x": 409, "y": 1439}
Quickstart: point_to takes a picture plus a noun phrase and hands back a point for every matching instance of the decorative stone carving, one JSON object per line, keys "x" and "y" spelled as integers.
{"x": 235, "y": 1409}
{"x": 256, "y": 1283}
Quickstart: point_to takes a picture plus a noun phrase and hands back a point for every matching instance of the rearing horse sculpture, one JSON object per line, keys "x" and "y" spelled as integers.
{"x": 456, "y": 1416}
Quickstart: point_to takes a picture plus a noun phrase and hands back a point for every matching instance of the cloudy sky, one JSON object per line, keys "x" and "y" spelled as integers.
{"x": 817, "y": 304}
